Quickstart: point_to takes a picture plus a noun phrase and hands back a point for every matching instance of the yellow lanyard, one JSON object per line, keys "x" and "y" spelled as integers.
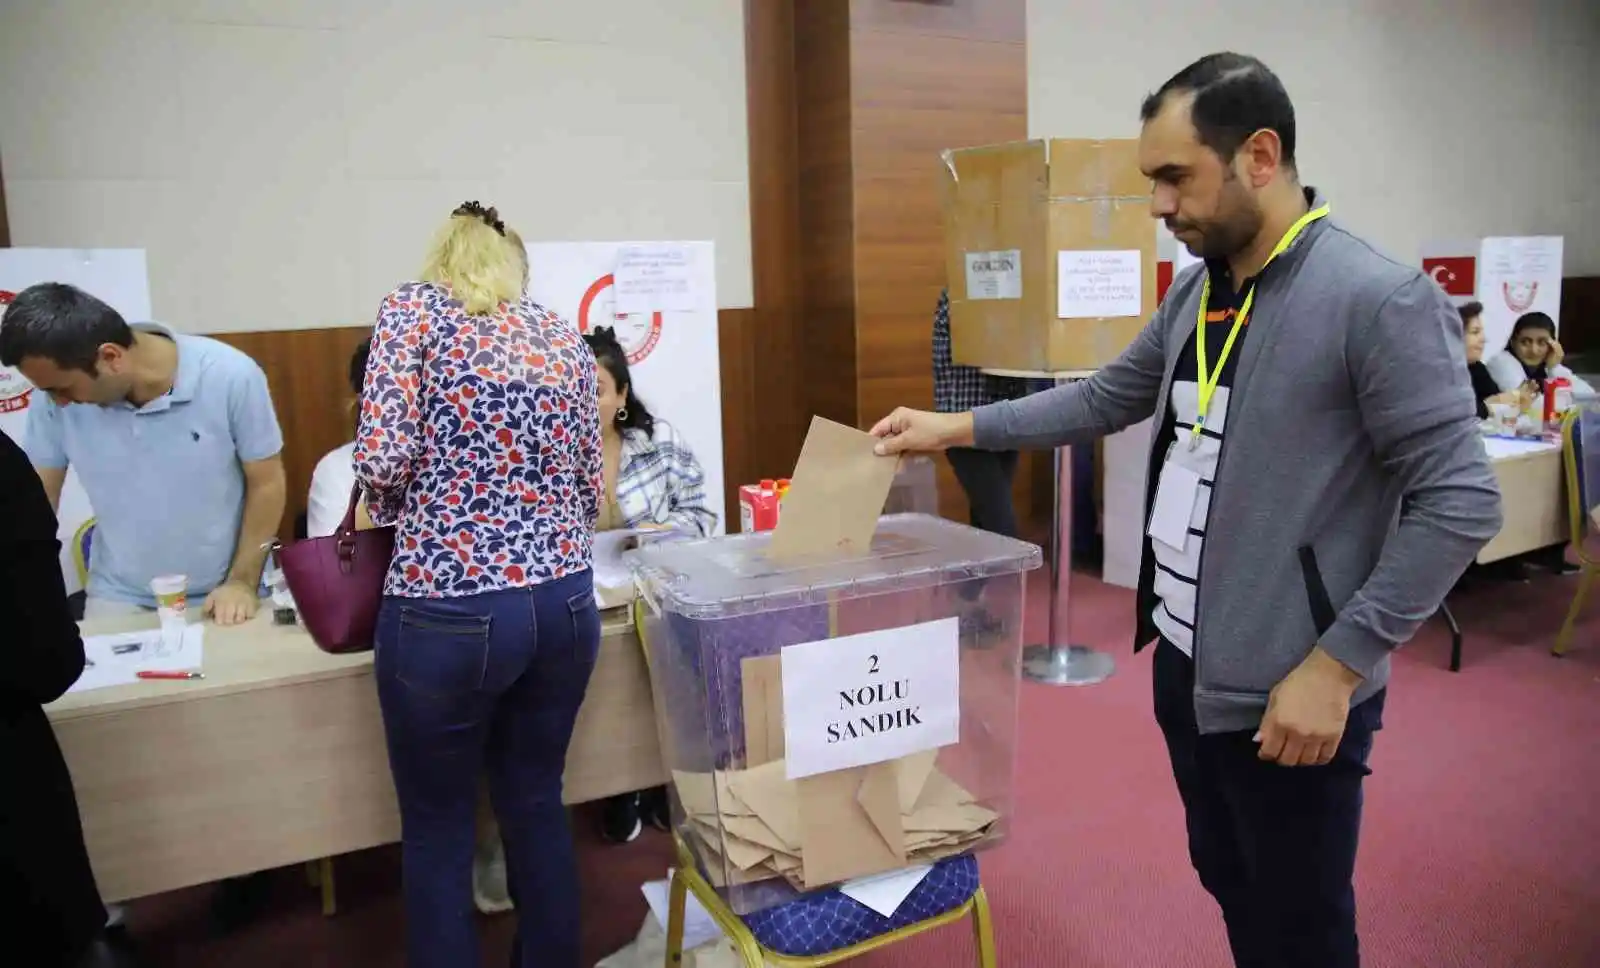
{"x": 1209, "y": 378}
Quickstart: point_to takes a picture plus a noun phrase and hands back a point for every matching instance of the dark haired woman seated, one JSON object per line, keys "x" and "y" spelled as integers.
{"x": 1533, "y": 354}
{"x": 1483, "y": 383}
{"x": 652, "y": 480}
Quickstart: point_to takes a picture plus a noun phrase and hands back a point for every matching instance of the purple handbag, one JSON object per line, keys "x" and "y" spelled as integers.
{"x": 337, "y": 581}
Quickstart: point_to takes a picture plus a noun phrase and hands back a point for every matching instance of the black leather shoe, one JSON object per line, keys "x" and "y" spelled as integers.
{"x": 656, "y": 809}
{"x": 620, "y": 823}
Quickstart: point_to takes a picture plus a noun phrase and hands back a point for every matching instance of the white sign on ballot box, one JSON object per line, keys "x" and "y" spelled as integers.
{"x": 117, "y": 277}
{"x": 672, "y": 352}
{"x": 868, "y": 698}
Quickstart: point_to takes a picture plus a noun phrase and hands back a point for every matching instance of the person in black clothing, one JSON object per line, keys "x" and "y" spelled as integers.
{"x": 1483, "y": 385}
{"x": 51, "y": 913}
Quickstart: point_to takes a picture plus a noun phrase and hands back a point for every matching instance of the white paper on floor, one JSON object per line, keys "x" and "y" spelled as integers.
{"x": 885, "y": 893}
{"x": 698, "y": 927}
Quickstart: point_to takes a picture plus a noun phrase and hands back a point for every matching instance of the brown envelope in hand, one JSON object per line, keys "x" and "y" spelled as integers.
{"x": 838, "y": 492}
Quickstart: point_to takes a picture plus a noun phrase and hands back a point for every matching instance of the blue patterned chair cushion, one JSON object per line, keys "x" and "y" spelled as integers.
{"x": 828, "y": 921}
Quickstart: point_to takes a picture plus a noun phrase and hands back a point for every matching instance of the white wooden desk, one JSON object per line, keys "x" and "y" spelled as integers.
{"x": 1532, "y": 498}
{"x": 277, "y": 757}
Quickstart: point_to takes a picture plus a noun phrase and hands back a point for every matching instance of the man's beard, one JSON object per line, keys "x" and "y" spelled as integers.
{"x": 1232, "y": 231}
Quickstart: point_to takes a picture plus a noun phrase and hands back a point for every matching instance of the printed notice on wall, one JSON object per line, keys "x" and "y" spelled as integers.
{"x": 657, "y": 279}
{"x": 872, "y": 697}
{"x": 994, "y": 275}
{"x": 1099, "y": 282}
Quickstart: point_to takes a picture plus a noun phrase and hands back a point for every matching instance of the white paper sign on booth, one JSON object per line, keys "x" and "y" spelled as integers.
{"x": 672, "y": 353}
{"x": 116, "y": 276}
{"x": 868, "y": 698}
{"x": 1517, "y": 276}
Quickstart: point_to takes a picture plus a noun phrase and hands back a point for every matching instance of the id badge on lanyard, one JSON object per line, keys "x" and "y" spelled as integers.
{"x": 1208, "y": 377}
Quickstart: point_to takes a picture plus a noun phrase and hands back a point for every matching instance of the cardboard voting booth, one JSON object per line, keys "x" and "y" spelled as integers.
{"x": 839, "y": 711}
{"x": 1050, "y": 253}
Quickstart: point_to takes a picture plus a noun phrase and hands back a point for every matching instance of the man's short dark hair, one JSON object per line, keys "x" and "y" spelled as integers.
{"x": 1235, "y": 95}
{"x": 62, "y": 324}
{"x": 1468, "y": 310}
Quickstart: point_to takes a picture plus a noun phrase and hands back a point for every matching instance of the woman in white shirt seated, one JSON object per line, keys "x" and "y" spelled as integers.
{"x": 1533, "y": 354}
{"x": 652, "y": 481}
{"x": 334, "y": 477}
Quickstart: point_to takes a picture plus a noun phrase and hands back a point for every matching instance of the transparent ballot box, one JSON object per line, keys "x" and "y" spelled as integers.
{"x": 915, "y": 489}
{"x": 838, "y": 716}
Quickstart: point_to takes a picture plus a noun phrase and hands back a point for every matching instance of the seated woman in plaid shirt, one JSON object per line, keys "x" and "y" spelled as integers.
{"x": 652, "y": 480}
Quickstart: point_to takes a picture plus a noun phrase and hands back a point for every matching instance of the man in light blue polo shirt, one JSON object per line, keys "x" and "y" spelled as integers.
{"x": 173, "y": 437}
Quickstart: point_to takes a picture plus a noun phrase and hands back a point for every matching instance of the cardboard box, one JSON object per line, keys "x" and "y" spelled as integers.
{"x": 1050, "y": 253}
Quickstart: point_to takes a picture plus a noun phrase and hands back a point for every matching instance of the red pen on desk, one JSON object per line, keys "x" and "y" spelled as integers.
{"x": 161, "y": 674}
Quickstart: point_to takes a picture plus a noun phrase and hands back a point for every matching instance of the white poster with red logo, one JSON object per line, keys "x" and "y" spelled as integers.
{"x": 118, "y": 277}
{"x": 1517, "y": 275}
{"x": 672, "y": 351}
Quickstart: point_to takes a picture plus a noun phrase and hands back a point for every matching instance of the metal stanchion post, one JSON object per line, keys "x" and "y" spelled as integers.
{"x": 1053, "y": 662}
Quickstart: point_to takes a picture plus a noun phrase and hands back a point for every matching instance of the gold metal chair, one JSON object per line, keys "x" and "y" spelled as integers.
{"x": 686, "y": 880}
{"x": 1581, "y": 422}
{"x": 319, "y": 874}
{"x": 82, "y": 542}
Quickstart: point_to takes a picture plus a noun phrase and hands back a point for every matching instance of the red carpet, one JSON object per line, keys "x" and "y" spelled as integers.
{"x": 1481, "y": 846}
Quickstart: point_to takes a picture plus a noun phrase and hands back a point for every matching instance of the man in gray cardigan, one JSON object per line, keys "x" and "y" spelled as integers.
{"x": 1318, "y": 449}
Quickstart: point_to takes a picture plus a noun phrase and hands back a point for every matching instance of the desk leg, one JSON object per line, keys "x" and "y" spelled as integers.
{"x": 1455, "y": 636}
{"x": 1053, "y": 662}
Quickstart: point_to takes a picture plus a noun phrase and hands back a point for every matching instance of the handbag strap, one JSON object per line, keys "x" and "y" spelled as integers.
{"x": 349, "y": 523}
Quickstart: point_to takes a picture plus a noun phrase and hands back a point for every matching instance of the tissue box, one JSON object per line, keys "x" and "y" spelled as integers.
{"x": 1050, "y": 253}
{"x": 833, "y": 717}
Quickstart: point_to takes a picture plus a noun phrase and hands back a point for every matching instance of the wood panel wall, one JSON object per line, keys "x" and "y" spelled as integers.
{"x": 882, "y": 88}
{"x": 308, "y": 374}
{"x": 1580, "y": 318}
{"x": 924, "y": 77}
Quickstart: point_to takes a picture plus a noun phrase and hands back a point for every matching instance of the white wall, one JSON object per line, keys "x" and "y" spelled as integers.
{"x": 1421, "y": 119}
{"x": 284, "y": 162}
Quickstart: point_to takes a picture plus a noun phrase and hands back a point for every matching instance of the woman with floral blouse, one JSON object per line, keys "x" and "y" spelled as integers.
{"x": 479, "y": 440}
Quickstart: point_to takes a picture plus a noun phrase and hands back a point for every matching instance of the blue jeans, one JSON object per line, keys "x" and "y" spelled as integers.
{"x": 488, "y": 683}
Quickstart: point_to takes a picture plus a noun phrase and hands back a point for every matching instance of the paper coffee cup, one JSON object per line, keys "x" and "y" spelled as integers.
{"x": 1504, "y": 417}
{"x": 172, "y": 594}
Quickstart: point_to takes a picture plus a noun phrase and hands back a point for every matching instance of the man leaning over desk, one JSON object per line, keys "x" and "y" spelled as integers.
{"x": 173, "y": 437}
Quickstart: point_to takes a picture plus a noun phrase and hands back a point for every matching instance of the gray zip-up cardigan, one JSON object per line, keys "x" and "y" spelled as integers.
{"x": 1352, "y": 489}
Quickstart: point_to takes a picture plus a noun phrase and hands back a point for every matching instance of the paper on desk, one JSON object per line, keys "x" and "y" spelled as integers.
{"x": 837, "y": 493}
{"x": 1498, "y": 447}
{"x": 698, "y": 927}
{"x": 885, "y": 893}
{"x": 612, "y": 576}
{"x": 115, "y": 660}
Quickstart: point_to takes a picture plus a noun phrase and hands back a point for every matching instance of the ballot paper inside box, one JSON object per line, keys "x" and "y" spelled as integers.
{"x": 839, "y": 716}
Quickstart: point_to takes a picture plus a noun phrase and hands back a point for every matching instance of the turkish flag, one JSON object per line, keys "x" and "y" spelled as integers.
{"x": 1457, "y": 275}
{"x": 1163, "y": 279}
